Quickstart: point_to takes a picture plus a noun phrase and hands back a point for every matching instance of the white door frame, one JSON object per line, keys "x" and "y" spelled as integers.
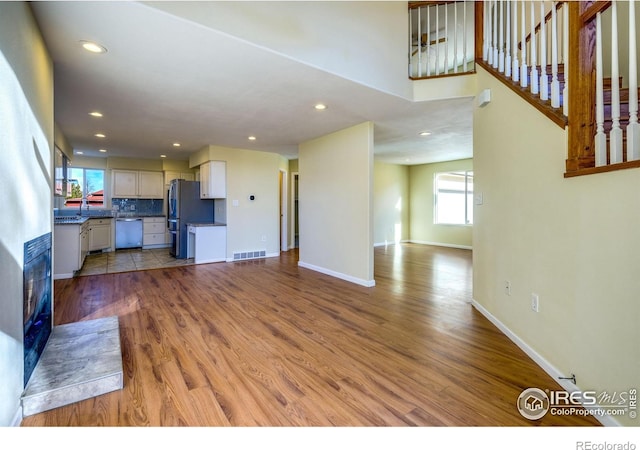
{"x": 284, "y": 202}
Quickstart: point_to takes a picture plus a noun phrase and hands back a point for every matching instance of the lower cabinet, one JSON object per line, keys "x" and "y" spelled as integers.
{"x": 99, "y": 234}
{"x": 154, "y": 232}
{"x": 70, "y": 248}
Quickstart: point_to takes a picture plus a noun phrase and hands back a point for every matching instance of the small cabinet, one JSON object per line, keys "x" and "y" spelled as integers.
{"x": 213, "y": 180}
{"x": 175, "y": 175}
{"x": 99, "y": 234}
{"x": 153, "y": 229}
{"x": 137, "y": 184}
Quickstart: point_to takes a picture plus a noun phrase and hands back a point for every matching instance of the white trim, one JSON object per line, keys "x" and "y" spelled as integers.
{"x": 17, "y": 418}
{"x": 441, "y": 244}
{"x": 62, "y": 276}
{"x": 386, "y": 243}
{"x": 545, "y": 365}
{"x": 342, "y": 276}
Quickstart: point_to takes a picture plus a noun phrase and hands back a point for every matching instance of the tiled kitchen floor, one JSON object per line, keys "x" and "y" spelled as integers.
{"x": 126, "y": 260}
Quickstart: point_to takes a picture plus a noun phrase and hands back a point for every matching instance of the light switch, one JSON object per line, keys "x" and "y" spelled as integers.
{"x": 235, "y": 203}
{"x": 478, "y": 198}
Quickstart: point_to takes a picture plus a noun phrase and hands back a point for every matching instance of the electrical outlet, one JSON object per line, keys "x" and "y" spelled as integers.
{"x": 507, "y": 287}
{"x": 264, "y": 238}
{"x": 535, "y": 302}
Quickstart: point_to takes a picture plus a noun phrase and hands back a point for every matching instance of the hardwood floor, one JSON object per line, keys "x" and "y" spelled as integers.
{"x": 267, "y": 343}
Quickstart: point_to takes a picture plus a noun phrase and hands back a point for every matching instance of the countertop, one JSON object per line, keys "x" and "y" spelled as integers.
{"x": 79, "y": 220}
{"x": 207, "y": 224}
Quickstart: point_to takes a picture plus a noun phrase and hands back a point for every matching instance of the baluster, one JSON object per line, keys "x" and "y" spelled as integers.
{"x": 437, "y": 61}
{"x": 501, "y": 41}
{"x": 455, "y": 37}
{"x": 446, "y": 39}
{"x": 495, "y": 35}
{"x": 544, "y": 78}
{"x": 419, "y": 42}
{"x": 428, "y": 50}
{"x": 534, "y": 43}
{"x": 487, "y": 21}
{"x": 600, "y": 138}
{"x": 524, "y": 75}
{"x": 516, "y": 64}
{"x": 615, "y": 135}
{"x": 633, "y": 129}
{"x": 565, "y": 58}
{"x": 410, "y": 43}
{"x": 507, "y": 63}
{"x": 555, "y": 84}
{"x": 464, "y": 38}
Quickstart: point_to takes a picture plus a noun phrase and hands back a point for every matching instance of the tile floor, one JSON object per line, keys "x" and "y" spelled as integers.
{"x": 126, "y": 260}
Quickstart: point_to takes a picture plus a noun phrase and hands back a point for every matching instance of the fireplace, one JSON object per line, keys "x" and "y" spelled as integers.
{"x": 37, "y": 300}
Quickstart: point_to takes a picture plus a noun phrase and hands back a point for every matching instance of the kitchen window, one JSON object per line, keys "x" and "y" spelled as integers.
{"x": 454, "y": 198}
{"x": 85, "y": 187}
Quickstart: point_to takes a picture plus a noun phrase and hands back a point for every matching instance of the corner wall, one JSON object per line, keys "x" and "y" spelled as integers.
{"x": 390, "y": 203}
{"x": 26, "y": 172}
{"x": 335, "y": 191}
{"x": 574, "y": 242}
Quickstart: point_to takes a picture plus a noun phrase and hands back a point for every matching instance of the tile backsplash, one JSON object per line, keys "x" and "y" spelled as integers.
{"x": 136, "y": 206}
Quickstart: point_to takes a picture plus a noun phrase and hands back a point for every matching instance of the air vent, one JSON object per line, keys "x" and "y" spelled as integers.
{"x": 240, "y": 256}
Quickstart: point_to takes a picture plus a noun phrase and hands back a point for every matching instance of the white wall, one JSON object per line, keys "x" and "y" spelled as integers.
{"x": 370, "y": 49}
{"x": 26, "y": 115}
{"x": 335, "y": 192}
{"x": 249, "y": 172}
{"x": 574, "y": 242}
{"x": 390, "y": 203}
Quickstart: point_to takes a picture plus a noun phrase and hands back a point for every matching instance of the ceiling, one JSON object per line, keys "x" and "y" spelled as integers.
{"x": 165, "y": 79}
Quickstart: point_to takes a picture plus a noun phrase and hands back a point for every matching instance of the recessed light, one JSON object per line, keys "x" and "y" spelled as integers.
{"x": 78, "y": 152}
{"x": 252, "y": 138}
{"x": 93, "y": 47}
{"x": 95, "y": 114}
{"x": 320, "y": 107}
{"x": 102, "y": 150}
{"x": 425, "y": 133}
{"x": 176, "y": 144}
{"x": 163, "y": 156}
{"x": 99, "y": 135}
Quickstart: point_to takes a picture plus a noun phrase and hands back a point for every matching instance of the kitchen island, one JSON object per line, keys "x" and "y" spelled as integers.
{"x": 207, "y": 242}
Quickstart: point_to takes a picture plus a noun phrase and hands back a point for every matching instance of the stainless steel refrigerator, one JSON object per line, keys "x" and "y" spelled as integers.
{"x": 185, "y": 206}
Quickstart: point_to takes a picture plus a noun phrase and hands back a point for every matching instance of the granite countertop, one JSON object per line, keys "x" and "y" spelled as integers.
{"x": 79, "y": 220}
{"x": 207, "y": 224}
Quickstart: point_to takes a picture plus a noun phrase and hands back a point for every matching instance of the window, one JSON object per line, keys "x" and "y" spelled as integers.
{"x": 454, "y": 198}
{"x": 85, "y": 184}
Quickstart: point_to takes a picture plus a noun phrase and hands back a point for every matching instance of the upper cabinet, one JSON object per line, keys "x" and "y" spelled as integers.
{"x": 213, "y": 179}
{"x": 137, "y": 184}
{"x": 175, "y": 175}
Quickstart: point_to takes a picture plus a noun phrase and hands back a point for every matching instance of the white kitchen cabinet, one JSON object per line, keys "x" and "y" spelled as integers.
{"x": 70, "y": 248}
{"x": 213, "y": 180}
{"x": 99, "y": 234}
{"x": 137, "y": 184}
{"x": 154, "y": 232}
{"x": 175, "y": 175}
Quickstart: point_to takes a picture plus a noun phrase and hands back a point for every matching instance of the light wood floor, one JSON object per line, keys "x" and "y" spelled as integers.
{"x": 268, "y": 343}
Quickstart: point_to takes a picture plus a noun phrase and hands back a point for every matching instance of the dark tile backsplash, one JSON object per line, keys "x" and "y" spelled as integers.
{"x": 136, "y": 206}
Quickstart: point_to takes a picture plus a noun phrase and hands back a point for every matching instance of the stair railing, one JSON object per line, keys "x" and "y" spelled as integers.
{"x": 441, "y": 38}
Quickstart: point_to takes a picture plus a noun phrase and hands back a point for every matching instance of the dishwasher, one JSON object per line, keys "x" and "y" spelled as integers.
{"x": 128, "y": 233}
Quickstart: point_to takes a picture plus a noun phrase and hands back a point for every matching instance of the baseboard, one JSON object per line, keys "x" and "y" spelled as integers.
{"x": 545, "y": 365}
{"x": 441, "y": 244}
{"x": 342, "y": 276}
{"x": 386, "y": 243}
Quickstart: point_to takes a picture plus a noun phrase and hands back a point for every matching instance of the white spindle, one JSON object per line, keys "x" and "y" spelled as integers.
{"x": 524, "y": 75}
{"x": 565, "y": 59}
{"x": 544, "y": 78}
{"x": 555, "y": 84}
{"x": 633, "y": 129}
{"x": 464, "y": 38}
{"x": 507, "y": 63}
{"x": 615, "y": 135}
{"x": 428, "y": 50}
{"x": 446, "y": 38}
{"x": 410, "y": 43}
{"x": 600, "y": 138}
{"x": 437, "y": 61}
{"x": 455, "y": 37}
{"x": 495, "y": 35}
{"x": 516, "y": 64}
{"x": 501, "y": 41}
{"x": 534, "y": 61}
{"x": 487, "y": 20}
{"x": 419, "y": 43}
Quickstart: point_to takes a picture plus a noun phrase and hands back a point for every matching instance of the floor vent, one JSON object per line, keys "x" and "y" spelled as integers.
{"x": 239, "y": 256}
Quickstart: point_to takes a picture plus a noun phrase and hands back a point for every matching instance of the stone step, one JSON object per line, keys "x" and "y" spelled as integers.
{"x": 81, "y": 360}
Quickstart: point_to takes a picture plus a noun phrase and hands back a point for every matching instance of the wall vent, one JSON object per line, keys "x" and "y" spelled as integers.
{"x": 240, "y": 256}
